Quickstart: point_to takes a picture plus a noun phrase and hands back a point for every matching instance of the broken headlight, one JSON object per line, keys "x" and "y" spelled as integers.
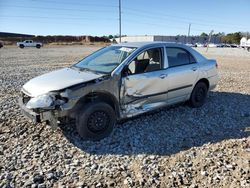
{"x": 41, "y": 101}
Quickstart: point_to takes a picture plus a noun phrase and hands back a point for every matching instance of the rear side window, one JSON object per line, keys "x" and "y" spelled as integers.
{"x": 178, "y": 57}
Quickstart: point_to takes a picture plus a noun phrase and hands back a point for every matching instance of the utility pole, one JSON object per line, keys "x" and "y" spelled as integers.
{"x": 120, "y": 22}
{"x": 189, "y": 26}
{"x": 210, "y": 36}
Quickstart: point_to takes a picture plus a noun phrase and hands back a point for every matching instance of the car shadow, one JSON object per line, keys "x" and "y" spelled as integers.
{"x": 171, "y": 130}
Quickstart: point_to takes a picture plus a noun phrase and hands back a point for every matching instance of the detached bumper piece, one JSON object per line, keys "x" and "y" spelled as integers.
{"x": 29, "y": 113}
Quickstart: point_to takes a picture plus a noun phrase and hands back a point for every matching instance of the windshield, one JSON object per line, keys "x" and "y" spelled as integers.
{"x": 106, "y": 59}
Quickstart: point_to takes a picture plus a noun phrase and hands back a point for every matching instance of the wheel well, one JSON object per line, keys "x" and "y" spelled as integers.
{"x": 98, "y": 97}
{"x": 205, "y": 81}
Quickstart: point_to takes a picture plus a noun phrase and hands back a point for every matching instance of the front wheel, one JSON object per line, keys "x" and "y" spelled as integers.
{"x": 95, "y": 121}
{"x": 198, "y": 96}
{"x": 38, "y": 46}
{"x": 21, "y": 46}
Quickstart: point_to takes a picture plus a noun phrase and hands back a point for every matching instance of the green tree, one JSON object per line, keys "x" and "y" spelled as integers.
{"x": 232, "y": 38}
{"x": 110, "y": 37}
{"x": 204, "y": 34}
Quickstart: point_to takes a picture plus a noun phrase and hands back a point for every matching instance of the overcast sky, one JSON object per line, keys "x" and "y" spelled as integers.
{"x": 139, "y": 17}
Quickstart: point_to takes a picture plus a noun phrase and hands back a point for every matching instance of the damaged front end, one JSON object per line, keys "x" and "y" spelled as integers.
{"x": 58, "y": 106}
{"x": 44, "y": 107}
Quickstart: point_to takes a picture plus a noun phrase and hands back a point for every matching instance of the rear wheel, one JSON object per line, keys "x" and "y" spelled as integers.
{"x": 199, "y": 94}
{"x": 95, "y": 121}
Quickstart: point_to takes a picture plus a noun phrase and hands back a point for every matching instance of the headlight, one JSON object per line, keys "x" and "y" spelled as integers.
{"x": 42, "y": 101}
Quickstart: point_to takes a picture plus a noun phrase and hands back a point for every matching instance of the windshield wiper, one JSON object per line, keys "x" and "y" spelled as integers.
{"x": 89, "y": 70}
{"x": 85, "y": 69}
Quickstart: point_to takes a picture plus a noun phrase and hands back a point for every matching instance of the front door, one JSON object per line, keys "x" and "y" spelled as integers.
{"x": 144, "y": 83}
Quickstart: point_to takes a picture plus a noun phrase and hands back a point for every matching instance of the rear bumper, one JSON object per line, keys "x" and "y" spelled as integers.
{"x": 35, "y": 117}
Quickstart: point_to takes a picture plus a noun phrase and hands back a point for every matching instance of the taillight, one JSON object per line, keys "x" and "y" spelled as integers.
{"x": 216, "y": 65}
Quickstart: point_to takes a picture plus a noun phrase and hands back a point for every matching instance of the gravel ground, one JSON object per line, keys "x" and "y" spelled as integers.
{"x": 172, "y": 147}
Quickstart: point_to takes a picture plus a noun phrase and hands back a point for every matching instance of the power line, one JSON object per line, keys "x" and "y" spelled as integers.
{"x": 84, "y": 4}
{"x": 68, "y": 18}
{"x": 85, "y": 18}
{"x": 148, "y": 14}
{"x": 161, "y": 25}
{"x": 158, "y": 15}
{"x": 73, "y": 3}
{"x": 145, "y": 14}
{"x": 169, "y": 15}
{"x": 49, "y": 8}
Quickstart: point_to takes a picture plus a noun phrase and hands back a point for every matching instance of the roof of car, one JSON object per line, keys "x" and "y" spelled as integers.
{"x": 143, "y": 44}
{"x": 197, "y": 55}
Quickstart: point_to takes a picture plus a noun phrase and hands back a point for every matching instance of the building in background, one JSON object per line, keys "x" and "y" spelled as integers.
{"x": 177, "y": 39}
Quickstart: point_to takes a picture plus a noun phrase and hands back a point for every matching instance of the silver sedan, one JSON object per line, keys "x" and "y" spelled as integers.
{"x": 118, "y": 82}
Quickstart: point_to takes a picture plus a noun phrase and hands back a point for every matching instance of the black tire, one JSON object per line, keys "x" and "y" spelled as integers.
{"x": 21, "y": 46}
{"x": 38, "y": 46}
{"x": 95, "y": 121}
{"x": 198, "y": 95}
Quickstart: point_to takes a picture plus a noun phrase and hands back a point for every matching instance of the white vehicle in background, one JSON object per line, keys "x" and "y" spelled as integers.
{"x": 191, "y": 45}
{"x": 29, "y": 43}
{"x": 244, "y": 43}
{"x": 200, "y": 45}
{"x": 212, "y": 45}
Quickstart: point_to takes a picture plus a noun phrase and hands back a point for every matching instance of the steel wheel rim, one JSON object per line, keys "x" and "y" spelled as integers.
{"x": 98, "y": 121}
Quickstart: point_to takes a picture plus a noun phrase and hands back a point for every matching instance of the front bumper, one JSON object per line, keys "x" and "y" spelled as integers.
{"x": 35, "y": 117}
{"x": 49, "y": 116}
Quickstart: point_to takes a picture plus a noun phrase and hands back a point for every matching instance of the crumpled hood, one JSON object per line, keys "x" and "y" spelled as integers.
{"x": 57, "y": 80}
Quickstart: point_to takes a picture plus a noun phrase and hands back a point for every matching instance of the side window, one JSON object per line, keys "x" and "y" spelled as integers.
{"x": 178, "y": 57}
{"x": 26, "y": 41}
{"x": 147, "y": 61}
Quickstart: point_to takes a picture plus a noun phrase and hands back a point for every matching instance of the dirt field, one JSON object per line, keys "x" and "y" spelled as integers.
{"x": 173, "y": 147}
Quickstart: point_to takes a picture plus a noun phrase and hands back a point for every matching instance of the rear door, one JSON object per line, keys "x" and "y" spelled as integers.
{"x": 182, "y": 74}
{"x": 144, "y": 81}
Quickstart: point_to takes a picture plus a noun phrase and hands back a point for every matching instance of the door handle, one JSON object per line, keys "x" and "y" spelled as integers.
{"x": 194, "y": 68}
{"x": 162, "y": 76}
